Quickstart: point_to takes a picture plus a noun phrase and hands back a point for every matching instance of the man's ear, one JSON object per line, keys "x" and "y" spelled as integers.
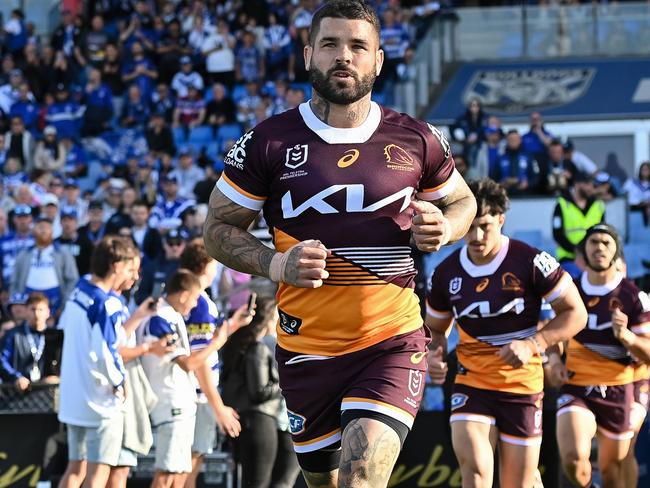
{"x": 307, "y": 53}
{"x": 379, "y": 61}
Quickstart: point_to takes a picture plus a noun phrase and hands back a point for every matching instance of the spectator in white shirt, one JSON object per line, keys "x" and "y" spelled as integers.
{"x": 218, "y": 49}
{"x": 186, "y": 78}
{"x": 188, "y": 174}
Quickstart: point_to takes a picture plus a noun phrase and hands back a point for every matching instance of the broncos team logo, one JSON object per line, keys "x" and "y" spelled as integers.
{"x": 397, "y": 158}
{"x": 296, "y": 423}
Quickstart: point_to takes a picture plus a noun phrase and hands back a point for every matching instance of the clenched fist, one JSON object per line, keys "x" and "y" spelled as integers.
{"x": 436, "y": 366}
{"x": 430, "y": 228}
{"x": 302, "y": 265}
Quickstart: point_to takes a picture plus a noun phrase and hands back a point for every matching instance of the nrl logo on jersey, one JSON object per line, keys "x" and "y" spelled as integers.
{"x": 526, "y": 89}
{"x": 296, "y": 156}
{"x": 455, "y": 284}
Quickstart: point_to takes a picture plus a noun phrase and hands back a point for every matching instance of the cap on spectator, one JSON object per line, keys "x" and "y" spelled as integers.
{"x": 601, "y": 178}
{"x": 60, "y": 87}
{"x": 16, "y": 72}
{"x": 168, "y": 179}
{"x": 568, "y": 145}
{"x": 582, "y": 177}
{"x": 95, "y": 205}
{"x": 186, "y": 60}
{"x": 69, "y": 213}
{"x": 43, "y": 218}
{"x": 175, "y": 235}
{"x": 70, "y": 183}
{"x": 49, "y": 130}
{"x": 185, "y": 151}
{"x": 491, "y": 129}
{"x": 143, "y": 163}
{"x": 49, "y": 199}
{"x": 22, "y": 210}
{"x": 17, "y": 299}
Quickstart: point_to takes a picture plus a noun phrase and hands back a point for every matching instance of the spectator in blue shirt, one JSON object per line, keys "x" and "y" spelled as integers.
{"x": 140, "y": 71}
{"x": 135, "y": 112}
{"x": 65, "y": 114}
{"x": 249, "y": 62}
{"x": 516, "y": 171}
{"x": 76, "y": 159}
{"x": 277, "y": 43}
{"x": 536, "y": 141}
{"x": 21, "y": 238}
{"x": 394, "y": 41}
{"x": 16, "y": 36}
{"x": 99, "y": 105}
{"x": 25, "y": 107}
{"x": 468, "y": 129}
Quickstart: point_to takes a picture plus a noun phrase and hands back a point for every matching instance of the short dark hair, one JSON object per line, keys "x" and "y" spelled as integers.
{"x": 36, "y": 298}
{"x": 194, "y": 257}
{"x": 141, "y": 203}
{"x": 491, "y": 198}
{"x": 111, "y": 250}
{"x": 344, "y": 9}
{"x": 182, "y": 280}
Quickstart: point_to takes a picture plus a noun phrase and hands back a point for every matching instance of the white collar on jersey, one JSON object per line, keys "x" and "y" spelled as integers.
{"x": 488, "y": 269}
{"x": 336, "y": 135}
{"x": 599, "y": 290}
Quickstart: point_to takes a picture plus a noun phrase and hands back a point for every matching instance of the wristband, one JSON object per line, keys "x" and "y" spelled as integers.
{"x": 277, "y": 266}
{"x": 537, "y": 345}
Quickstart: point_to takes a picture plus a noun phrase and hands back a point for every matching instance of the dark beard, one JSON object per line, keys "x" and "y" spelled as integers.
{"x": 328, "y": 89}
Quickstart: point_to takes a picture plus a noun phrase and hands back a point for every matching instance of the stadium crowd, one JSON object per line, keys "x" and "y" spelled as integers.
{"x": 112, "y": 135}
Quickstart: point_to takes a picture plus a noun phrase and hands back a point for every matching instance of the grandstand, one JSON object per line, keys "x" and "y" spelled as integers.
{"x": 98, "y": 110}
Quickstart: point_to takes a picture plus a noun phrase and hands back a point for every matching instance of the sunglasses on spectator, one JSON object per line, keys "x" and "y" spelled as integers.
{"x": 174, "y": 242}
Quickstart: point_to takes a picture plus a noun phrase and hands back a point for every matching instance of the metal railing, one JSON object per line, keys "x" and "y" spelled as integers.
{"x": 552, "y": 31}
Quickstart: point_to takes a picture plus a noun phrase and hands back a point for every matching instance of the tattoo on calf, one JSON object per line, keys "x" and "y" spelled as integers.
{"x": 370, "y": 463}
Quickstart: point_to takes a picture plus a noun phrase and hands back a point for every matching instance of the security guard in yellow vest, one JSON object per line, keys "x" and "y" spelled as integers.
{"x": 575, "y": 212}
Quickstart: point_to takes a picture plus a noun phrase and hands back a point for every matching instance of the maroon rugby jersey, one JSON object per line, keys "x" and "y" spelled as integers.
{"x": 494, "y": 304}
{"x": 595, "y": 356}
{"x": 349, "y": 188}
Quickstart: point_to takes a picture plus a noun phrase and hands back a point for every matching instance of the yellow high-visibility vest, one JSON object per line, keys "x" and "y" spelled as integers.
{"x": 576, "y": 223}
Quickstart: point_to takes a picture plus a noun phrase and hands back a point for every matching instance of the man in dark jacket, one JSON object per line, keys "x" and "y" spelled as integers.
{"x": 21, "y": 350}
{"x": 78, "y": 245}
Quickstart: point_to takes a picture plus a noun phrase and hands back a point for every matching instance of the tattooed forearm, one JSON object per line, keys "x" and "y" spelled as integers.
{"x": 228, "y": 242}
{"x": 367, "y": 462}
{"x": 460, "y": 209}
{"x": 321, "y": 480}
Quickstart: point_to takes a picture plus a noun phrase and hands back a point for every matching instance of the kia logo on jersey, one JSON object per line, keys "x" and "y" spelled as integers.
{"x": 296, "y": 156}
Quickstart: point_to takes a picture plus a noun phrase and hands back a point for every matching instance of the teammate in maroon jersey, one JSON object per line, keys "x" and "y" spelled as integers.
{"x": 493, "y": 288}
{"x": 597, "y": 395}
{"x": 344, "y": 184}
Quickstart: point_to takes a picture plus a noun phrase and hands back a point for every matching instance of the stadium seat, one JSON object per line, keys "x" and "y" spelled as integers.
{"x": 531, "y": 237}
{"x": 634, "y": 255}
{"x": 201, "y": 135}
{"x": 238, "y": 92}
{"x": 639, "y": 233}
{"x": 228, "y": 131}
{"x": 179, "y": 136}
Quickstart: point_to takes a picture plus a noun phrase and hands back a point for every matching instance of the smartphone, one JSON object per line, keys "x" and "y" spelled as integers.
{"x": 172, "y": 340}
{"x": 251, "y": 302}
{"x": 158, "y": 289}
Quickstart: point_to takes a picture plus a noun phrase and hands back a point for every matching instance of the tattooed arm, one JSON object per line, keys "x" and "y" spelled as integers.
{"x": 228, "y": 241}
{"x": 445, "y": 220}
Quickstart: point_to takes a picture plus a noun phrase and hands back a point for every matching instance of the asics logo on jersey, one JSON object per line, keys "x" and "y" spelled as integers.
{"x": 482, "y": 285}
{"x": 483, "y": 309}
{"x": 237, "y": 153}
{"x": 354, "y": 201}
{"x": 416, "y": 357}
{"x": 348, "y": 159}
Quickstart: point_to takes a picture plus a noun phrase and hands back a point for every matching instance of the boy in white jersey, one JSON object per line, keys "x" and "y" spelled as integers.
{"x": 92, "y": 372}
{"x": 172, "y": 380}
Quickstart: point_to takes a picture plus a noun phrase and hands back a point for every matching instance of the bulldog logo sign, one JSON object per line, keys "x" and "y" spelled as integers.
{"x": 527, "y": 89}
